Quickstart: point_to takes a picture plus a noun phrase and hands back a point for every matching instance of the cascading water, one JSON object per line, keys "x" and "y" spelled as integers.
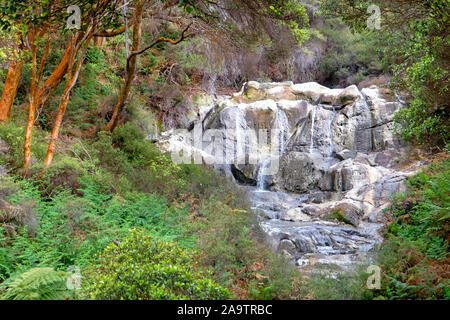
{"x": 329, "y": 139}
{"x": 297, "y": 222}
{"x": 282, "y": 124}
{"x": 261, "y": 177}
{"x": 313, "y": 120}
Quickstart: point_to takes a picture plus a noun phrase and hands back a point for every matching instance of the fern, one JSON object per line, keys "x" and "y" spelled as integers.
{"x": 37, "y": 284}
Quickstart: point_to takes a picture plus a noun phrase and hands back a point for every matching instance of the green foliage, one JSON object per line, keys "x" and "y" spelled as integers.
{"x": 352, "y": 56}
{"x": 425, "y": 223}
{"x": 416, "y": 252}
{"x": 293, "y": 15}
{"x": 416, "y": 124}
{"x": 230, "y": 246}
{"x": 14, "y": 137}
{"x": 417, "y": 44}
{"x": 141, "y": 267}
{"x": 281, "y": 280}
{"x": 37, "y": 284}
{"x": 408, "y": 274}
{"x": 350, "y": 285}
{"x": 73, "y": 227}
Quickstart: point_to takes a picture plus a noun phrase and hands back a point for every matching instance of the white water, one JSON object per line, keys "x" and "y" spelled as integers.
{"x": 261, "y": 177}
{"x": 282, "y": 124}
{"x": 313, "y": 121}
{"x": 329, "y": 139}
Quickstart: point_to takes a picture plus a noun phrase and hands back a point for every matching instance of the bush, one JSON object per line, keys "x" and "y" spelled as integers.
{"x": 352, "y": 56}
{"x": 141, "y": 267}
{"x": 14, "y": 137}
{"x": 350, "y": 285}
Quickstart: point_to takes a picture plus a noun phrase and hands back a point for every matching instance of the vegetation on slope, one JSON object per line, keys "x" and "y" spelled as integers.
{"x": 415, "y": 257}
{"x": 96, "y": 192}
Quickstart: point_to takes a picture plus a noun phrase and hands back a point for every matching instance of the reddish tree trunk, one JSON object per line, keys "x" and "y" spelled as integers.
{"x": 131, "y": 68}
{"x": 10, "y": 88}
{"x": 71, "y": 80}
{"x": 32, "y": 101}
{"x": 35, "y": 78}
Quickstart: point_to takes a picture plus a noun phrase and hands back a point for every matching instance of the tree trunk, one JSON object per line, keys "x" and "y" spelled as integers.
{"x": 131, "y": 68}
{"x": 32, "y": 101}
{"x": 70, "y": 83}
{"x": 55, "y": 78}
{"x": 10, "y": 88}
{"x": 36, "y": 76}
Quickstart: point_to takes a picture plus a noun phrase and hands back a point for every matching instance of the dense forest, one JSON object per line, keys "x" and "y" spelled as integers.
{"x": 93, "y": 206}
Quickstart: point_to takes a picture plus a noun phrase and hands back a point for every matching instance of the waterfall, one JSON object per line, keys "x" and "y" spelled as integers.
{"x": 329, "y": 141}
{"x": 261, "y": 177}
{"x": 313, "y": 120}
{"x": 282, "y": 125}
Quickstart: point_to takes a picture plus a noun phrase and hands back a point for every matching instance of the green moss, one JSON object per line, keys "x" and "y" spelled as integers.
{"x": 338, "y": 215}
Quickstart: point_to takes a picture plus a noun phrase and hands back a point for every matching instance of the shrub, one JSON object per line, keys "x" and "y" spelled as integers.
{"x": 14, "y": 137}
{"x": 349, "y": 285}
{"x": 141, "y": 267}
{"x": 225, "y": 236}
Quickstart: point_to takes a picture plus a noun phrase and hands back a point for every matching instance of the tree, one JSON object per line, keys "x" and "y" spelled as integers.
{"x": 71, "y": 79}
{"x": 92, "y": 21}
{"x": 11, "y": 82}
{"x": 40, "y": 23}
{"x": 205, "y": 15}
{"x": 418, "y": 45}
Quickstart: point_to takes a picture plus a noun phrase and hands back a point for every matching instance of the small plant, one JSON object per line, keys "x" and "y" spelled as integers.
{"x": 37, "y": 284}
{"x": 339, "y": 216}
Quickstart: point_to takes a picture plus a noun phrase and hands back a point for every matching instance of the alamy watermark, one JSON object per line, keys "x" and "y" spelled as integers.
{"x": 73, "y": 281}
{"x": 229, "y": 146}
{"x": 374, "y": 280}
{"x": 374, "y": 21}
{"x": 74, "y": 20}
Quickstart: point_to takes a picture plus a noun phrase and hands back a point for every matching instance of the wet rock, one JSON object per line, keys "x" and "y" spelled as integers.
{"x": 348, "y": 95}
{"x": 296, "y": 214}
{"x": 254, "y": 91}
{"x": 296, "y": 111}
{"x": 288, "y": 246}
{"x": 346, "y": 154}
{"x": 299, "y": 171}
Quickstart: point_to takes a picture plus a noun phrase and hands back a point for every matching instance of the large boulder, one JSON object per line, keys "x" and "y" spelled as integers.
{"x": 254, "y": 91}
{"x": 300, "y": 171}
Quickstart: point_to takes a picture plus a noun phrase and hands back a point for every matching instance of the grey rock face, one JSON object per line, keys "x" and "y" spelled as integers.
{"x": 300, "y": 171}
{"x": 346, "y": 154}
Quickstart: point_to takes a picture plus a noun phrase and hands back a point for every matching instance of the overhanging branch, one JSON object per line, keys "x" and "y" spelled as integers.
{"x": 159, "y": 40}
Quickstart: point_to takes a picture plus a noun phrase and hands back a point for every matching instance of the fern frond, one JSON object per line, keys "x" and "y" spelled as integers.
{"x": 37, "y": 284}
